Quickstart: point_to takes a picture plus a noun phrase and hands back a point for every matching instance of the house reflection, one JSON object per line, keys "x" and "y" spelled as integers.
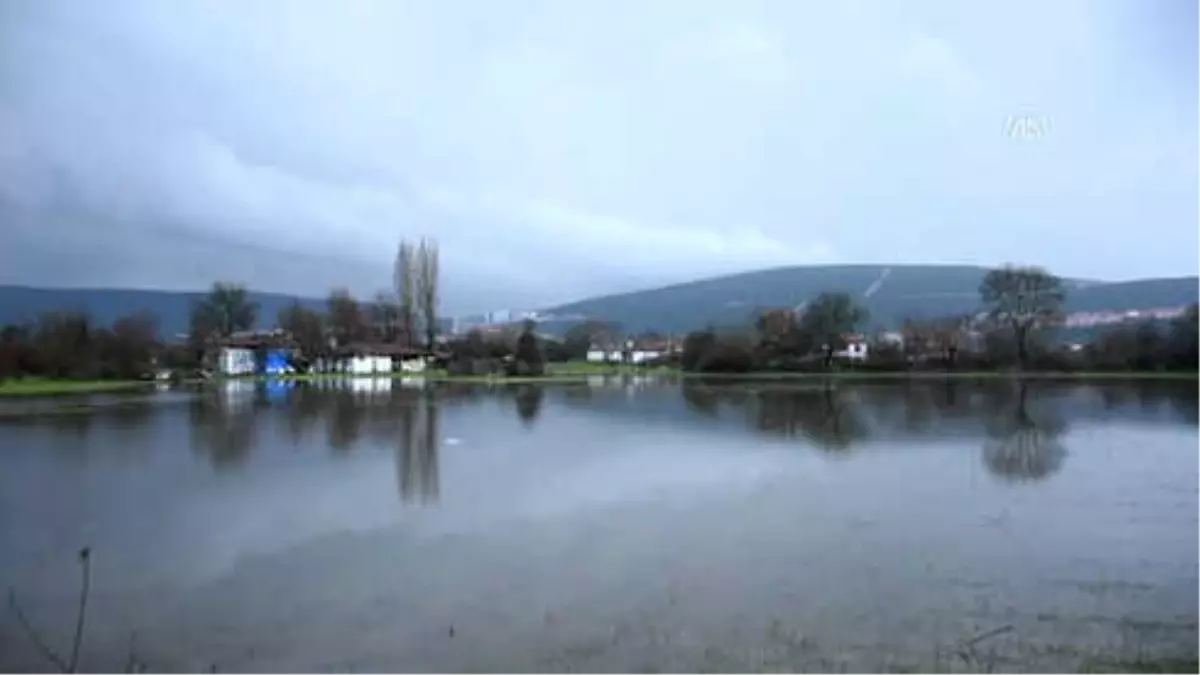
{"x": 223, "y": 423}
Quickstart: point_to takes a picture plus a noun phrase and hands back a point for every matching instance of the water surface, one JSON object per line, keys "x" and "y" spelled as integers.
{"x": 618, "y": 524}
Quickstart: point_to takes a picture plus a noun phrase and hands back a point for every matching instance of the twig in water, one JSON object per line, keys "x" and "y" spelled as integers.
{"x": 85, "y": 559}
{"x": 131, "y": 663}
{"x": 70, "y": 666}
{"x": 988, "y": 634}
{"x": 33, "y": 634}
{"x": 968, "y": 646}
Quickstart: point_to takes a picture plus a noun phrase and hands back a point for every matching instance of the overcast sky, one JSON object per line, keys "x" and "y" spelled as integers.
{"x": 568, "y": 148}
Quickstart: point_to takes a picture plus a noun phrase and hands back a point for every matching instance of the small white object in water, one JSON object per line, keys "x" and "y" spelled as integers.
{"x": 452, "y": 441}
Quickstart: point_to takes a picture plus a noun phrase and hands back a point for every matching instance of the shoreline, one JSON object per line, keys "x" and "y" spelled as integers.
{"x": 37, "y": 387}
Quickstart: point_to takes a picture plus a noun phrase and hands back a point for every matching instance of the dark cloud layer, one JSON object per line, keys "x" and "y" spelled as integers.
{"x": 565, "y": 149}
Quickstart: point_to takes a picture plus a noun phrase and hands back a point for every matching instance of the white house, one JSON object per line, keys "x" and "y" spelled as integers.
{"x": 643, "y": 355}
{"x": 368, "y": 364}
{"x": 414, "y": 365}
{"x": 856, "y": 349}
{"x": 235, "y": 361}
{"x": 635, "y": 352}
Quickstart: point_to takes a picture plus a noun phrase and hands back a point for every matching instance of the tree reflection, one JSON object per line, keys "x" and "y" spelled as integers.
{"x": 346, "y": 420}
{"x": 303, "y": 411}
{"x": 828, "y": 417}
{"x": 1185, "y": 404}
{"x": 529, "y": 403}
{"x": 1022, "y": 439}
{"x": 223, "y": 426}
{"x": 700, "y": 398}
{"x": 417, "y": 452}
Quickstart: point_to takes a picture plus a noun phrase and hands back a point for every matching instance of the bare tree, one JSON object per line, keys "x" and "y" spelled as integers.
{"x": 345, "y": 317}
{"x": 427, "y": 288}
{"x": 404, "y": 279}
{"x": 1023, "y": 299}
{"x": 385, "y": 316}
{"x": 307, "y": 328}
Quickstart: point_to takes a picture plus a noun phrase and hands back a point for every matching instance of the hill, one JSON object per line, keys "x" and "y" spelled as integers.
{"x": 20, "y": 303}
{"x": 889, "y": 292}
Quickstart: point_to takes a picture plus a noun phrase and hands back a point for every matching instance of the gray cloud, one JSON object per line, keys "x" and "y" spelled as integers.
{"x": 564, "y": 149}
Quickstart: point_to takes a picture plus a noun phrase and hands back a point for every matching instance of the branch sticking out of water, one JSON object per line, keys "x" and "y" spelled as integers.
{"x": 36, "y": 639}
{"x": 85, "y": 560}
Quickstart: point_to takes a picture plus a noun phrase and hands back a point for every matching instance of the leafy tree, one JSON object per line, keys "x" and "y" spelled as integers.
{"x": 346, "y": 319}
{"x": 828, "y": 318}
{"x": 1024, "y": 300}
{"x": 528, "y": 357}
{"x": 580, "y": 337}
{"x": 709, "y": 351}
{"x": 225, "y": 310}
{"x": 307, "y": 328}
{"x": 1182, "y": 342}
{"x": 696, "y": 347}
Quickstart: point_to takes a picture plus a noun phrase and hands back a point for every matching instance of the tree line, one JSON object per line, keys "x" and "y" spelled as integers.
{"x": 1021, "y": 309}
{"x": 72, "y": 345}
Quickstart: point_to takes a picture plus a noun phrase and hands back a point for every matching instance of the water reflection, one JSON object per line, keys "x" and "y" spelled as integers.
{"x": 700, "y": 397}
{"x": 828, "y": 417}
{"x": 223, "y": 424}
{"x": 417, "y": 452}
{"x": 529, "y": 402}
{"x": 346, "y": 419}
{"x": 1022, "y": 441}
{"x": 1023, "y": 423}
{"x": 320, "y": 529}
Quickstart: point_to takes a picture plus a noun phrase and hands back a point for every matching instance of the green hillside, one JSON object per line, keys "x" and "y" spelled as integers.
{"x": 889, "y": 292}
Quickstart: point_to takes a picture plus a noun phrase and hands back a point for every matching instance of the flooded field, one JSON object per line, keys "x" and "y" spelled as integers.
{"x": 617, "y": 524}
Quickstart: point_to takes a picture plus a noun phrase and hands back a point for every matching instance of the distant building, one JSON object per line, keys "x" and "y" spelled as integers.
{"x": 635, "y": 352}
{"x": 365, "y": 358}
{"x": 856, "y": 348}
{"x": 250, "y": 352}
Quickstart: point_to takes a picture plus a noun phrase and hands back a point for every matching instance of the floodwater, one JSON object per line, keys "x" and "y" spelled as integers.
{"x": 618, "y": 524}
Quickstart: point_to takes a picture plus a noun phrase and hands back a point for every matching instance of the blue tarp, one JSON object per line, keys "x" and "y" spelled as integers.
{"x": 277, "y": 362}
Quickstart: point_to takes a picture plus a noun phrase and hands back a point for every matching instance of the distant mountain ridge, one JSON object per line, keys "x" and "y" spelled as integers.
{"x": 890, "y": 293}
{"x": 21, "y": 303}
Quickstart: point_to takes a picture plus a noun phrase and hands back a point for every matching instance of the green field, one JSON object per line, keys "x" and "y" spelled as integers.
{"x": 44, "y": 386}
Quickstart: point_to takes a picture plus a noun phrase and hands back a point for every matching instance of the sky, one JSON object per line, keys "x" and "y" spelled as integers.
{"x": 559, "y": 150}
